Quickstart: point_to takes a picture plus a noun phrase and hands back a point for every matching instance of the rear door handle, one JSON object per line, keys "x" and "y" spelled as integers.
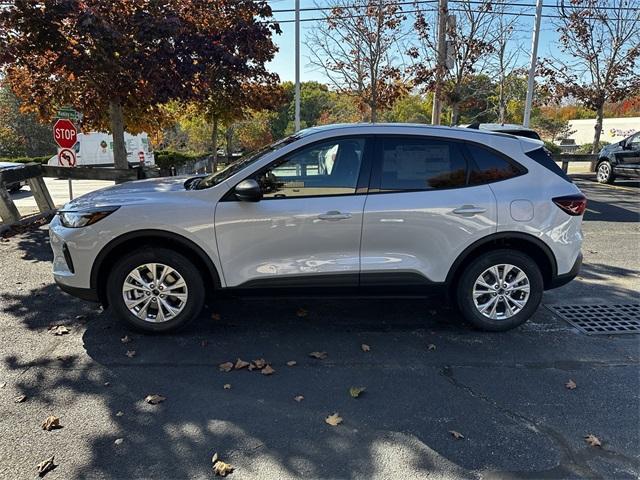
{"x": 334, "y": 215}
{"x": 469, "y": 210}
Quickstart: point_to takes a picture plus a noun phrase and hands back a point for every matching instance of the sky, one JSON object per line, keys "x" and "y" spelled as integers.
{"x": 283, "y": 63}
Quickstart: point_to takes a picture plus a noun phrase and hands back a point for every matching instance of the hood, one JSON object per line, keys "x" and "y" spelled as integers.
{"x": 128, "y": 193}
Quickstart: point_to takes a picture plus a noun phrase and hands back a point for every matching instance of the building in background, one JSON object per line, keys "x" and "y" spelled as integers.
{"x": 613, "y": 129}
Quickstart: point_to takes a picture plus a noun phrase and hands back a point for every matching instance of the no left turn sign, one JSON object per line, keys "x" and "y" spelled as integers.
{"x": 66, "y": 157}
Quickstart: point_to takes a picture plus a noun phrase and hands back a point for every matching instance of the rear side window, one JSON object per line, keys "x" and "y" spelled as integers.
{"x": 421, "y": 164}
{"x": 489, "y": 166}
{"x": 544, "y": 158}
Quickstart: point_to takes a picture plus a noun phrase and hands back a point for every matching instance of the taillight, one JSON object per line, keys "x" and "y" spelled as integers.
{"x": 572, "y": 204}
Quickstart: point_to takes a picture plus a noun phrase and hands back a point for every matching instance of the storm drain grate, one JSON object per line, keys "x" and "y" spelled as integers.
{"x": 601, "y": 319}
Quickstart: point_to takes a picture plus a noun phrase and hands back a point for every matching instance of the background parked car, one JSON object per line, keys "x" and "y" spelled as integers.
{"x": 621, "y": 159}
{"x": 12, "y": 187}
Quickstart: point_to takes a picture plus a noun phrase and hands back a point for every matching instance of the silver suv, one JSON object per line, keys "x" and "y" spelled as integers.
{"x": 487, "y": 218}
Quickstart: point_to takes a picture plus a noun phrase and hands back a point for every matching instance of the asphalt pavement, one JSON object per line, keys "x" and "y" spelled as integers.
{"x": 426, "y": 374}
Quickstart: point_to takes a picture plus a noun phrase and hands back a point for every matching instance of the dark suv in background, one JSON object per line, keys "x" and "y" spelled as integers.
{"x": 620, "y": 159}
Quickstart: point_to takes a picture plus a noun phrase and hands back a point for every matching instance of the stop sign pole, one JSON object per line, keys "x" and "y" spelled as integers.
{"x": 65, "y": 135}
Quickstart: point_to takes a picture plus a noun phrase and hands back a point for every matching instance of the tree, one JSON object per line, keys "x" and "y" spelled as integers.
{"x": 21, "y": 134}
{"x": 117, "y": 61}
{"x": 357, "y": 46}
{"x": 601, "y": 45}
{"x": 471, "y": 37}
{"x": 410, "y": 109}
{"x": 551, "y": 127}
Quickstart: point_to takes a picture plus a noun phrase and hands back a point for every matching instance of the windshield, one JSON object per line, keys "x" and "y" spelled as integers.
{"x": 242, "y": 162}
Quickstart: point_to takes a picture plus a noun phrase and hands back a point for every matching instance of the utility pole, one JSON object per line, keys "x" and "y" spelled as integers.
{"x": 297, "y": 88}
{"x": 443, "y": 14}
{"x": 534, "y": 63}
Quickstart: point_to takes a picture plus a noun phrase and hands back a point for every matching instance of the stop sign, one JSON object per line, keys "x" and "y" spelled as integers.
{"x": 65, "y": 133}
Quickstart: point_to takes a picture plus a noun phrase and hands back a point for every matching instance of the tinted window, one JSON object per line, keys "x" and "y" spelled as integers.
{"x": 421, "y": 164}
{"x": 328, "y": 168}
{"x": 489, "y": 167}
{"x": 544, "y": 158}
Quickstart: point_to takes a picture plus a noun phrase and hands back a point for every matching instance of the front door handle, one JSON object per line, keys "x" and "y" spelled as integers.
{"x": 469, "y": 210}
{"x": 334, "y": 215}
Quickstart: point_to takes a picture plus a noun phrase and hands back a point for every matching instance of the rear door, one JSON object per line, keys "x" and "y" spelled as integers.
{"x": 422, "y": 210}
{"x": 306, "y": 230}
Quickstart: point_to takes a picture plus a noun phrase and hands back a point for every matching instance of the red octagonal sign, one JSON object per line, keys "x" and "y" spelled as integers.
{"x": 65, "y": 133}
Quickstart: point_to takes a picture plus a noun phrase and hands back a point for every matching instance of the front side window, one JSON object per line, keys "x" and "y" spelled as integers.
{"x": 421, "y": 164}
{"x": 489, "y": 167}
{"x": 327, "y": 168}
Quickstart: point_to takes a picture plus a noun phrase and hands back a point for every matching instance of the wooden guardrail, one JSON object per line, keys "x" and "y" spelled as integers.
{"x": 566, "y": 158}
{"x": 32, "y": 174}
{"x": 91, "y": 173}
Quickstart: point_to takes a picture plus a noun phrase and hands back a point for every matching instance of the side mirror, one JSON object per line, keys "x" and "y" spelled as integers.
{"x": 248, "y": 191}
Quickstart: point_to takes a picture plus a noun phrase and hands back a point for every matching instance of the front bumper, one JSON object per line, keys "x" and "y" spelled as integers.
{"x": 87, "y": 294}
{"x": 560, "y": 280}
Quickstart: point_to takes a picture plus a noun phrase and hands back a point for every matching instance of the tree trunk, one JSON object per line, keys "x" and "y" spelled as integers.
{"x": 598, "y": 129}
{"x": 117, "y": 131}
{"x": 501, "y": 103}
{"x": 228, "y": 135}
{"x": 455, "y": 113}
{"x": 214, "y": 142}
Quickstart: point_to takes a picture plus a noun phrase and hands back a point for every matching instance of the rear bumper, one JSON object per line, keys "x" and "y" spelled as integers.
{"x": 87, "y": 294}
{"x": 560, "y": 280}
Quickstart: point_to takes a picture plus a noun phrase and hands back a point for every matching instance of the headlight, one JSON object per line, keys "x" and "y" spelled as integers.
{"x": 82, "y": 218}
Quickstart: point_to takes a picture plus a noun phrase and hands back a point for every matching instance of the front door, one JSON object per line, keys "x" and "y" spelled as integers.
{"x": 628, "y": 157}
{"x": 306, "y": 229}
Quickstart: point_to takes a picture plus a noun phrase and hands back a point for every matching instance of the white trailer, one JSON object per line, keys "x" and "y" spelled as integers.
{"x": 96, "y": 149}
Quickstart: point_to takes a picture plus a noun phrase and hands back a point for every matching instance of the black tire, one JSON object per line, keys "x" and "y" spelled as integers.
{"x": 180, "y": 263}
{"x": 604, "y": 172}
{"x": 464, "y": 289}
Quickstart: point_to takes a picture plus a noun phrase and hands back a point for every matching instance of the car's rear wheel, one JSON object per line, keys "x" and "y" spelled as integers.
{"x": 500, "y": 290}
{"x": 155, "y": 290}
{"x": 604, "y": 172}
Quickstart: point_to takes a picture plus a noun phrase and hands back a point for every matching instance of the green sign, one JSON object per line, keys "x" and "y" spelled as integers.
{"x": 69, "y": 114}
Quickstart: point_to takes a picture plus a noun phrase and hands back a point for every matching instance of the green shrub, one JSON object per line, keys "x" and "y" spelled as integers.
{"x": 586, "y": 148}
{"x": 165, "y": 159}
{"x": 42, "y": 160}
{"x": 552, "y": 147}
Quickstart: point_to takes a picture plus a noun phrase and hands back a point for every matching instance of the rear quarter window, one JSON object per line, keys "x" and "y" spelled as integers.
{"x": 544, "y": 158}
{"x": 487, "y": 166}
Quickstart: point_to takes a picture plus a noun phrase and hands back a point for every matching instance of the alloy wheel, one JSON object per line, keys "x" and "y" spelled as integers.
{"x": 501, "y": 291}
{"x": 604, "y": 170}
{"x": 155, "y": 292}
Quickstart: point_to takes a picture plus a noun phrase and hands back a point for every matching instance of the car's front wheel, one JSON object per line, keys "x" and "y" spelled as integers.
{"x": 500, "y": 290}
{"x": 604, "y": 173}
{"x": 155, "y": 290}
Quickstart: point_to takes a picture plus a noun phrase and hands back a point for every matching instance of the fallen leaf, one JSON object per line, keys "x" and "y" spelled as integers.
{"x": 106, "y": 384}
{"x": 431, "y": 346}
{"x": 20, "y": 398}
{"x": 119, "y": 413}
{"x": 260, "y": 363}
{"x": 118, "y": 441}
{"x": 318, "y": 355}
{"x": 571, "y": 385}
{"x": 3, "y": 384}
{"x": 301, "y": 312}
{"x": 154, "y": 399}
{"x": 241, "y": 364}
{"x": 365, "y": 347}
{"x": 131, "y": 353}
{"x": 51, "y": 423}
{"x": 356, "y": 391}
{"x": 219, "y": 467}
{"x": 298, "y": 398}
{"x": 227, "y": 386}
{"x": 80, "y": 317}
{"x": 592, "y": 440}
{"x": 291, "y": 363}
{"x": 334, "y": 419}
{"x": 46, "y": 466}
{"x": 456, "y": 435}
{"x": 226, "y": 366}
{"x": 215, "y": 316}
{"x": 125, "y": 339}
{"x": 58, "y": 330}
{"x": 268, "y": 370}
{"x": 252, "y": 367}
